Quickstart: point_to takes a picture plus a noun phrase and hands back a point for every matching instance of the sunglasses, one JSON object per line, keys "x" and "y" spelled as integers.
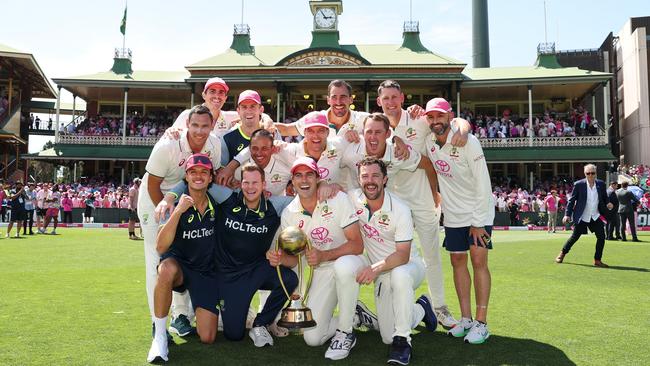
{"x": 201, "y": 160}
{"x": 590, "y": 173}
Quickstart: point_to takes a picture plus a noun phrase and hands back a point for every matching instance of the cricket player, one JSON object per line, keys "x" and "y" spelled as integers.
{"x": 165, "y": 168}
{"x": 415, "y": 189}
{"x": 395, "y": 266}
{"x": 335, "y": 253}
{"x": 468, "y": 207}
{"x": 186, "y": 244}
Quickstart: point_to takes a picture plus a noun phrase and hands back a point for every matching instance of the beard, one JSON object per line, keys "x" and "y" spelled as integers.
{"x": 374, "y": 194}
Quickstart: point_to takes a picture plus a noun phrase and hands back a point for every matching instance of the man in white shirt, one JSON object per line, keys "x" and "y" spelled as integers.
{"x": 415, "y": 189}
{"x": 587, "y": 203}
{"x": 215, "y": 94}
{"x": 336, "y": 255}
{"x": 468, "y": 207}
{"x": 395, "y": 266}
{"x": 165, "y": 168}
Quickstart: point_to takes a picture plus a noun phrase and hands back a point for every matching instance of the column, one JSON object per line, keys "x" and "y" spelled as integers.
{"x": 58, "y": 115}
{"x": 74, "y": 173}
{"x": 74, "y": 106}
{"x": 11, "y": 93}
{"x": 530, "y": 114}
{"x": 192, "y": 95}
{"x": 126, "y": 101}
{"x": 606, "y": 101}
{"x": 278, "y": 105}
{"x": 457, "y": 99}
{"x": 593, "y": 105}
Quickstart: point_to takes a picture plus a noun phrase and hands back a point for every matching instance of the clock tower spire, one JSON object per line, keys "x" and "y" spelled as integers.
{"x": 326, "y": 21}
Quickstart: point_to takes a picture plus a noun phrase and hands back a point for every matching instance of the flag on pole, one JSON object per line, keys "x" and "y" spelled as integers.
{"x": 123, "y": 25}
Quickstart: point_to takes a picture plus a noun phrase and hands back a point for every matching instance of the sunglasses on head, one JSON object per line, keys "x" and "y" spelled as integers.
{"x": 201, "y": 160}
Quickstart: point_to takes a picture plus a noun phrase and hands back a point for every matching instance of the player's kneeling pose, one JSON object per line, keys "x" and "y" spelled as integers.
{"x": 186, "y": 243}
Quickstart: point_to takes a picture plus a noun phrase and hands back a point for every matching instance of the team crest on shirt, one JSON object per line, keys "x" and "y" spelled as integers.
{"x": 331, "y": 154}
{"x": 276, "y": 178}
{"x": 145, "y": 218}
{"x": 454, "y": 152}
{"x": 327, "y": 213}
{"x": 411, "y": 134}
{"x": 384, "y": 220}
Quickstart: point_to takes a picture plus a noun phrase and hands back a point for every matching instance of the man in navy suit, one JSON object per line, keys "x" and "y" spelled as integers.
{"x": 587, "y": 203}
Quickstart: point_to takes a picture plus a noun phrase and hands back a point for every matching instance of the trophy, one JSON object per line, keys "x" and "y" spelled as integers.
{"x": 296, "y": 315}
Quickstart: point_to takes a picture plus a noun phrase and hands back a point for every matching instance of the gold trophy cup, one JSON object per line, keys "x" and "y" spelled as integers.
{"x": 296, "y": 315}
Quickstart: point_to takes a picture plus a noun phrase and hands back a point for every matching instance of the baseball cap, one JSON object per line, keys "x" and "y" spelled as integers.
{"x": 215, "y": 81}
{"x": 438, "y": 104}
{"x": 198, "y": 160}
{"x": 249, "y": 95}
{"x": 307, "y": 162}
{"x": 315, "y": 119}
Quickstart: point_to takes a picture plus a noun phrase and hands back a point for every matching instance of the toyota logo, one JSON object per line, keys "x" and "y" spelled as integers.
{"x": 319, "y": 233}
{"x": 370, "y": 231}
{"x": 442, "y": 166}
{"x": 324, "y": 172}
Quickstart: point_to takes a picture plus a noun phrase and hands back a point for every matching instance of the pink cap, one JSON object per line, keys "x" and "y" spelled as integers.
{"x": 438, "y": 104}
{"x": 315, "y": 119}
{"x": 215, "y": 81}
{"x": 198, "y": 160}
{"x": 305, "y": 161}
{"x": 249, "y": 95}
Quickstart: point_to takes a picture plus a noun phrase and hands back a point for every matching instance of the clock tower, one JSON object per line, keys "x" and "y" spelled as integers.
{"x": 326, "y": 21}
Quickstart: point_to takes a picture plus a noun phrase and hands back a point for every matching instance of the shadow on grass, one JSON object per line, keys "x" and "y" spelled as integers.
{"x": 428, "y": 349}
{"x": 619, "y": 268}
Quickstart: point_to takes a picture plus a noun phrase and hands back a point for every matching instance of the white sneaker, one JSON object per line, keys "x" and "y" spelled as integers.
{"x": 364, "y": 317}
{"x": 478, "y": 334}
{"x": 340, "y": 345}
{"x": 158, "y": 350}
{"x": 445, "y": 318}
{"x": 261, "y": 337}
{"x": 461, "y": 328}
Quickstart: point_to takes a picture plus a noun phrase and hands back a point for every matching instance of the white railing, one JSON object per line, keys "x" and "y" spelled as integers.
{"x": 568, "y": 141}
{"x": 107, "y": 140}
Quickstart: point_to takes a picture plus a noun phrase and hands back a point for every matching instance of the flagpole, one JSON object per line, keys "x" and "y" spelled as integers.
{"x": 126, "y": 6}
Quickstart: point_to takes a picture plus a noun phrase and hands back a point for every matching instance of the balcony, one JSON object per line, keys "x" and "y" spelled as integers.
{"x": 107, "y": 140}
{"x": 568, "y": 141}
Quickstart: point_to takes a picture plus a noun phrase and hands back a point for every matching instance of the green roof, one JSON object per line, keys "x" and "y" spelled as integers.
{"x": 92, "y": 152}
{"x": 376, "y": 55}
{"x": 5, "y": 48}
{"x": 552, "y": 154}
{"x": 137, "y": 76}
{"x": 518, "y": 74}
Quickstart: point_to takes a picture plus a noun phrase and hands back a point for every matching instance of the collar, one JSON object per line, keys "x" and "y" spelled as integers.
{"x": 209, "y": 209}
{"x": 332, "y": 125}
{"x": 241, "y": 132}
{"x": 386, "y": 206}
{"x": 262, "y": 207}
{"x": 296, "y": 207}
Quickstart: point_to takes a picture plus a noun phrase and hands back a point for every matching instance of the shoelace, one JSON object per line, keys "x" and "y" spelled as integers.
{"x": 339, "y": 340}
{"x": 259, "y": 332}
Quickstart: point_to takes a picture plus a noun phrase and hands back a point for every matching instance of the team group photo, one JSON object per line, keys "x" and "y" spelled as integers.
{"x": 357, "y": 199}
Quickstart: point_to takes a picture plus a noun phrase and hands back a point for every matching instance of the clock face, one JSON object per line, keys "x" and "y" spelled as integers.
{"x": 325, "y": 18}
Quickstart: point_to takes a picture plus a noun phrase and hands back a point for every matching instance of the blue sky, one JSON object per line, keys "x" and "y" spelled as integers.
{"x": 73, "y": 37}
{"x": 76, "y": 37}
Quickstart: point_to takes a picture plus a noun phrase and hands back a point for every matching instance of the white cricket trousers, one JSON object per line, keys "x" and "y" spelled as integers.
{"x": 394, "y": 298}
{"x": 334, "y": 283}
{"x": 427, "y": 226}
{"x": 180, "y": 302}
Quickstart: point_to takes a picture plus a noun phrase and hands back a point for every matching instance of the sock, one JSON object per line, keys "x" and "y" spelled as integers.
{"x": 484, "y": 323}
{"x": 160, "y": 324}
{"x": 418, "y": 313}
{"x": 131, "y": 233}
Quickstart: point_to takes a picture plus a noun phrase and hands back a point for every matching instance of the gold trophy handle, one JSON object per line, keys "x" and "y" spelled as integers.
{"x": 310, "y": 275}
{"x": 277, "y": 247}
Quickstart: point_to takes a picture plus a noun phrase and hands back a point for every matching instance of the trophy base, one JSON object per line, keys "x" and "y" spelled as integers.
{"x": 296, "y": 318}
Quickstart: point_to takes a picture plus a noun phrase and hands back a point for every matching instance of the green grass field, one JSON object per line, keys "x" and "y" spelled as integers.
{"x": 78, "y": 298}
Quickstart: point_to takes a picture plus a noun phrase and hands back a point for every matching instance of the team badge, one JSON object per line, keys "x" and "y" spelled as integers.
{"x": 145, "y": 218}
{"x": 384, "y": 219}
{"x": 411, "y": 134}
{"x": 331, "y": 154}
{"x": 276, "y": 178}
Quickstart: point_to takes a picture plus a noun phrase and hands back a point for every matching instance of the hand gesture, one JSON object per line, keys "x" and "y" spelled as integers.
{"x": 415, "y": 111}
{"x": 366, "y": 276}
{"x": 566, "y": 219}
{"x": 274, "y": 257}
{"x": 184, "y": 203}
{"x": 480, "y": 237}
{"x": 402, "y": 150}
{"x": 164, "y": 208}
{"x": 173, "y": 133}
